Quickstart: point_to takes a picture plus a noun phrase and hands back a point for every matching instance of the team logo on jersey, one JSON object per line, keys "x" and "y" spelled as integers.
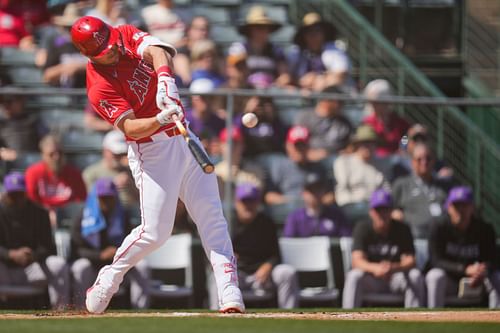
{"x": 109, "y": 108}
{"x": 138, "y": 35}
{"x": 98, "y": 37}
{"x": 141, "y": 79}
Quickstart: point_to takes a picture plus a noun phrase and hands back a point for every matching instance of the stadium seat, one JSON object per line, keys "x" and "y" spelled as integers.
{"x": 311, "y": 254}
{"x": 80, "y": 140}
{"x": 83, "y": 160}
{"x": 10, "y": 56}
{"x": 174, "y": 254}
{"x": 65, "y": 215}
{"x": 62, "y": 238}
{"x": 225, "y": 34}
{"x": 62, "y": 119}
{"x": 26, "y": 76}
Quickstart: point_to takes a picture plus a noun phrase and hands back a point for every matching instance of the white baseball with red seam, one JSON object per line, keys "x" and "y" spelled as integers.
{"x": 249, "y": 120}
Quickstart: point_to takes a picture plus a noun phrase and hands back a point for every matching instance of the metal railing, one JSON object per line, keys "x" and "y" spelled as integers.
{"x": 474, "y": 157}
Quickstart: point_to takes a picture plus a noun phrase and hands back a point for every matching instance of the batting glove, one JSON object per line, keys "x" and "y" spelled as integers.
{"x": 165, "y": 116}
{"x": 166, "y": 93}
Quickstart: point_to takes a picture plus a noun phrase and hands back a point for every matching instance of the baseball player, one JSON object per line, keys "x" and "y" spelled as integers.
{"x": 131, "y": 84}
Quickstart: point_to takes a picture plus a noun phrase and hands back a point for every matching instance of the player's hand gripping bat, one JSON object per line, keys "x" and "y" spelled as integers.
{"x": 199, "y": 154}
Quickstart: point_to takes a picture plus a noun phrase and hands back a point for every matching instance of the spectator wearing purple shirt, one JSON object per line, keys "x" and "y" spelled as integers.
{"x": 316, "y": 219}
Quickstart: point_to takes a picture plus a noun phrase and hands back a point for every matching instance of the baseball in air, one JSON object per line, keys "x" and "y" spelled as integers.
{"x": 249, "y": 120}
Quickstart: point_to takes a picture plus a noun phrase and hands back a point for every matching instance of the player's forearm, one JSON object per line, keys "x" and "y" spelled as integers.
{"x": 140, "y": 128}
{"x": 158, "y": 56}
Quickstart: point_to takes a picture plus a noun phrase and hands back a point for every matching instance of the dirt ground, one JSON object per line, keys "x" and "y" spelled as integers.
{"x": 427, "y": 316}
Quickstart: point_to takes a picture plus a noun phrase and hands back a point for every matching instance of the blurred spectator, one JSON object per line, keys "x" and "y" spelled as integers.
{"x": 93, "y": 121}
{"x": 27, "y": 248}
{"x": 419, "y": 197}
{"x": 383, "y": 258}
{"x": 266, "y": 61}
{"x": 269, "y": 135}
{"x": 286, "y": 175}
{"x": 316, "y": 218}
{"x": 20, "y": 130}
{"x": 111, "y": 12}
{"x": 198, "y": 29}
{"x": 162, "y": 22}
{"x": 330, "y": 130}
{"x": 315, "y": 62}
{"x": 240, "y": 171}
{"x": 417, "y": 133}
{"x": 462, "y": 252}
{"x": 359, "y": 173}
{"x": 96, "y": 235}
{"x": 64, "y": 65}
{"x": 259, "y": 267}
{"x": 203, "y": 119}
{"x": 114, "y": 164}
{"x": 51, "y": 182}
{"x": 236, "y": 71}
{"x": 18, "y": 21}
{"x": 204, "y": 62}
{"x": 183, "y": 222}
{"x": 387, "y": 124}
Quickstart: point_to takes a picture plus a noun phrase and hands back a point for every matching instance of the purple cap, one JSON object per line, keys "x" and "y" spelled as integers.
{"x": 14, "y": 182}
{"x": 247, "y": 191}
{"x": 459, "y": 194}
{"x": 380, "y": 198}
{"x": 105, "y": 187}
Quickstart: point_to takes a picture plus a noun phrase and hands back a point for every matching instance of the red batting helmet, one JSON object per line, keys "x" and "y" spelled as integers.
{"x": 93, "y": 37}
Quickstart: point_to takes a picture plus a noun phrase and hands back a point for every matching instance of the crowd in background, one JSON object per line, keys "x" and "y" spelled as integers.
{"x": 376, "y": 179}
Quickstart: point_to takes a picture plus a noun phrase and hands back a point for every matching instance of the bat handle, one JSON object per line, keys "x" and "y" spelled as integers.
{"x": 179, "y": 125}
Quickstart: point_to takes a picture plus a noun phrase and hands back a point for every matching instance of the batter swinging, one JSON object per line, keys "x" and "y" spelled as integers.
{"x": 131, "y": 85}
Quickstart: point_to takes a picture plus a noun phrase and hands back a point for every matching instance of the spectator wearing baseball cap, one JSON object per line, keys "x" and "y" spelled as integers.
{"x": 242, "y": 171}
{"x": 383, "y": 258}
{"x": 463, "y": 254}
{"x": 260, "y": 268}
{"x": 379, "y": 115}
{"x": 96, "y": 234}
{"x": 114, "y": 164}
{"x": 286, "y": 175}
{"x": 315, "y": 218}
{"x": 27, "y": 248}
{"x": 316, "y": 61}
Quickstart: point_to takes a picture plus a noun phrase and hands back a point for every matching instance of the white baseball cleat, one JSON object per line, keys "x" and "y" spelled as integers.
{"x": 98, "y": 298}
{"x": 232, "y": 301}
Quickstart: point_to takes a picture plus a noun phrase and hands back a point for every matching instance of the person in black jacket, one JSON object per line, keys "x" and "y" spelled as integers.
{"x": 27, "y": 248}
{"x": 96, "y": 235}
{"x": 256, "y": 247}
{"x": 462, "y": 247}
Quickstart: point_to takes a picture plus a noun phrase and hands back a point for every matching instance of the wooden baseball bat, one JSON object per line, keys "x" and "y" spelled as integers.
{"x": 199, "y": 154}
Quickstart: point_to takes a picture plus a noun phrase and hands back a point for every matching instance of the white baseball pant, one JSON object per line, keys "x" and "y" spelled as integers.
{"x": 165, "y": 170}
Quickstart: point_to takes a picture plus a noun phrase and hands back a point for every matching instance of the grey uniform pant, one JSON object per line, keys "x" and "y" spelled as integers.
{"x": 359, "y": 283}
{"x": 440, "y": 285}
{"x": 283, "y": 280}
{"x": 84, "y": 275}
{"x": 52, "y": 273}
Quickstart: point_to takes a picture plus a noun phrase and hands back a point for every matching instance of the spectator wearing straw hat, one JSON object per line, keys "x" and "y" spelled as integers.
{"x": 266, "y": 62}
{"x": 315, "y": 61}
{"x": 360, "y": 173}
